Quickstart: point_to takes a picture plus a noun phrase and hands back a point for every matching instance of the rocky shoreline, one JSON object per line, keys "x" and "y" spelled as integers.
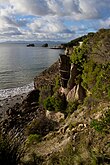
{"x": 18, "y": 111}
{"x": 69, "y": 121}
{"x": 9, "y": 102}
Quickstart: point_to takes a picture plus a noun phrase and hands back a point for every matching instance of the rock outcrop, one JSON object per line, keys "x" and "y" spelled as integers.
{"x": 45, "y": 45}
{"x": 64, "y": 69}
{"x": 68, "y": 74}
{"x": 76, "y": 93}
{"x": 69, "y": 50}
{"x": 55, "y": 116}
{"x": 31, "y": 45}
{"x": 18, "y": 116}
{"x": 73, "y": 75}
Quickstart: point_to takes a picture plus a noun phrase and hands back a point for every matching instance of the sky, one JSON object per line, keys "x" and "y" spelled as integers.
{"x": 51, "y": 20}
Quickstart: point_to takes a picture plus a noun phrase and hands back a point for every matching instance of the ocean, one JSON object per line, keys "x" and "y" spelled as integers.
{"x": 19, "y": 65}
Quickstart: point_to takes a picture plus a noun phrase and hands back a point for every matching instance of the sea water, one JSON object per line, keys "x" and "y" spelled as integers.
{"x": 19, "y": 65}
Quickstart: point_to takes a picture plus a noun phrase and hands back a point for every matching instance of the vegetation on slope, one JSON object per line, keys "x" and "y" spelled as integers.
{"x": 83, "y": 137}
{"x": 76, "y": 41}
{"x": 94, "y": 64}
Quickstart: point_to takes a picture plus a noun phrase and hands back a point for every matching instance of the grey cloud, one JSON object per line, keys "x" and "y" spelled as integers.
{"x": 34, "y": 7}
{"x": 105, "y": 23}
{"x": 50, "y": 17}
{"x": 48, "y": 25}
{"x": 9, "y": 21}
{"x": 9, "y": 27}
{"x": 11, "y": 32}
{"x": 78, "y": 9}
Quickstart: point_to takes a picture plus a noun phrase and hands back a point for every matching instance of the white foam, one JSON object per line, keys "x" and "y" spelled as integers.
{"x": 6, "y": 93}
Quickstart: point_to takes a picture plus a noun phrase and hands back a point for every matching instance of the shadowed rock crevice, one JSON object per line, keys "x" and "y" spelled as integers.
{"x": 64, "y": 69}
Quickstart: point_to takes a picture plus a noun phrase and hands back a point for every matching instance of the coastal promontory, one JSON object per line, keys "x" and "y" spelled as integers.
{"x": 65, "y": 120}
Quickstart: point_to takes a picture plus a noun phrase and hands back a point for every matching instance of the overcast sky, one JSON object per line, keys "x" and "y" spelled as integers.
{"x": 51, "y": 19}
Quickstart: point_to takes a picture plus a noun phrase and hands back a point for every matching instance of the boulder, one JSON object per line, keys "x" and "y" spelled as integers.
{"x": 45, "y": 45}
{"x": 55, "y": 116}
{"x": 69, "y": 50}
{"x": 76, "y": 93}
{"x": 30, "y": 45}
{"x": 33, "y": 96}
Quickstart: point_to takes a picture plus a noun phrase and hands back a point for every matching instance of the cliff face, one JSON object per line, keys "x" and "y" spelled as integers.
{"x": 90, "y": 67}
{"x": 66, "y": 119}
{"x": 83, "y": 137}
{"x": 72, "y": 89}
{"x": 64, "y": 69}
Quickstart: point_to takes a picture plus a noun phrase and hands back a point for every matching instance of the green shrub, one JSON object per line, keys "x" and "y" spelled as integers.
{"x": 72, "y": 106}
{"x": 49, "y": 103}
{"x": 45, "y": 92}
{"x": 96, "y": 78}
{"x": 56, "y": 103}
{"x": 57, "y": 83}
{"x": 33, "y": 138}
{"x": 78, "y": 58}
{"x": 60, "y": 103}
{"x": 102, "y": 125}
{"x": 97, "y": 125}
{"x": 80, "y": 52}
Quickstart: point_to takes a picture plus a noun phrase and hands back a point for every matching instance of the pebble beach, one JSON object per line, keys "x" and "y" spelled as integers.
{"x": 9, "y": 102}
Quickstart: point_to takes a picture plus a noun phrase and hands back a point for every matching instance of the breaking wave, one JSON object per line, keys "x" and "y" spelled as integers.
{"x": 6, "y": 93}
